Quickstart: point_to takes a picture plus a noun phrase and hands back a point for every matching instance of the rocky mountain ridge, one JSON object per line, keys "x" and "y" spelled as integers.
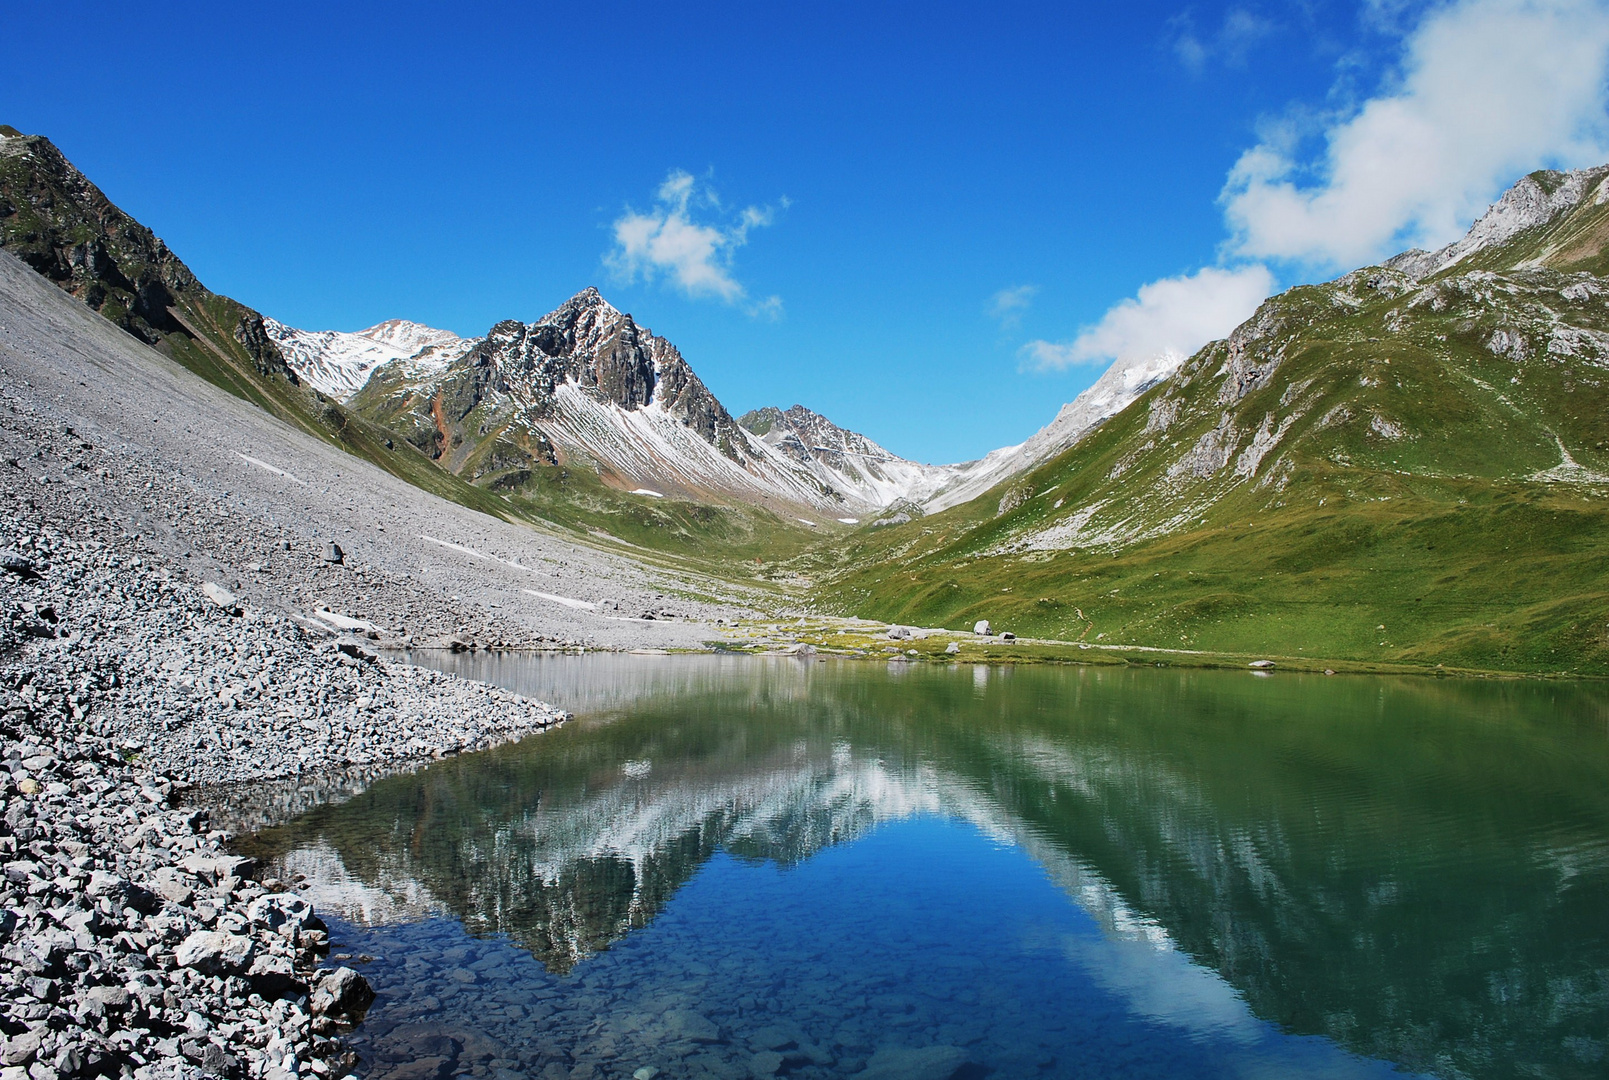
{"x": 585, "y": 385}
{"x": 1551, "y": 214}
{"x": 845, "y": 460}
{"x": 63, "y": 226}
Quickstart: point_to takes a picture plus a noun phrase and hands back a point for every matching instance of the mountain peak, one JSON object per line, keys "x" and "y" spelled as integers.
{"x": 407, "y": 335}
{"x": 588, "y": 301}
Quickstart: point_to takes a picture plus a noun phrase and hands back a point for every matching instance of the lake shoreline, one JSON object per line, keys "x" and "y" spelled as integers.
{"x": 135, "y": 940}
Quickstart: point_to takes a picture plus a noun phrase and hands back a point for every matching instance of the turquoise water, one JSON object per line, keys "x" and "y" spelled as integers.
{"x": 740, "y": 867}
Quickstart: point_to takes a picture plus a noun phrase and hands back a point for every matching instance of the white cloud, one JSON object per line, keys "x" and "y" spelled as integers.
{"x": 1007, "y": 305}
{"x": 1487, "y": 89}
{"x": 1174, "y": 316}
{"x": 696, "y": 257}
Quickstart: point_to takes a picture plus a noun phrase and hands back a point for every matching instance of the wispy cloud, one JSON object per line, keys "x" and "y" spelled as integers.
{"x": 1228, "y": 43}
{"x": 667, "y": 242}
{"x": 1485, "y": 89}
{"x": 1173, "y": 316}
{"x": 1008, "y": 305}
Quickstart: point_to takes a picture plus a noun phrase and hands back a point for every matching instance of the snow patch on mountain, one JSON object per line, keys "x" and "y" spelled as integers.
{"x": 655, "y": 448}
{"x": 338, "y": 363}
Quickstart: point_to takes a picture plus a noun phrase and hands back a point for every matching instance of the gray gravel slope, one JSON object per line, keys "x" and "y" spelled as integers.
{"x": 193, "y": 470}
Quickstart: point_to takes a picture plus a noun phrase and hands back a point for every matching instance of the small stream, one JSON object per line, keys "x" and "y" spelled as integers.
{"x": 739, "y": 866}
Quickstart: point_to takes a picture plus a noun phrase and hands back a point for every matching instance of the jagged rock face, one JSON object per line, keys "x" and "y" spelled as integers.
{"x": 806, "y": 436}
{"x": 56, "y": 221}
{"x": 584, "y": 382}
{"x": 63, "y": 226}
{"x": 844, "y": 460}
{"x": 591, "y": 344}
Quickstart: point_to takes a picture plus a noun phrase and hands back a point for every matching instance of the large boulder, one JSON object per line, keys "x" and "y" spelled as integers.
{"x": 213, "y": 952}
{"x": 284, "y": 913}
{"x": 221, "y": 596}
{"x": 219, "y": 868}
{"x": 274, "y": 976}
{"x": 342, "y": 995}
{"x": 170, "y": 884}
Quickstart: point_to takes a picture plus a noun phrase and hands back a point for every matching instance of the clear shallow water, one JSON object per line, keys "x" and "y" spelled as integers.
{"x": 733, "y": 866}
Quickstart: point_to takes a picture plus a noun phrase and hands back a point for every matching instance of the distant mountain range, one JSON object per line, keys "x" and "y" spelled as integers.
{"x": 584, "y": 386}
{"x": 587, "y": 385}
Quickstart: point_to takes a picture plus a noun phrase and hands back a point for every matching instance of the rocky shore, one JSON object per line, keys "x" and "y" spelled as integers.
{"x": 132, "y": 943}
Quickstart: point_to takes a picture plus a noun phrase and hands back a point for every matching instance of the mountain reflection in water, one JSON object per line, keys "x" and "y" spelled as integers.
{"x": 1413, "y": 869}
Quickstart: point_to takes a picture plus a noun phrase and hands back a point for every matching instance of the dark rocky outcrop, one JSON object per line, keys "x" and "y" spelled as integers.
{"x": 64, "y": 227}
{"x": 479, "y": 416}
{"x": 55, "y": 220}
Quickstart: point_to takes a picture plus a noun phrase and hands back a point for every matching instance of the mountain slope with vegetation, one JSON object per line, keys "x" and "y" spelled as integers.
{"x": 55, "y": 220}
{"x": 64, "y": 227}
{"x": 1406, "y": 464}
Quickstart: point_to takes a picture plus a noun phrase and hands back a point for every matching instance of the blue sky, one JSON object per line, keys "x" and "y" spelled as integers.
{"x": 933, "y": 223}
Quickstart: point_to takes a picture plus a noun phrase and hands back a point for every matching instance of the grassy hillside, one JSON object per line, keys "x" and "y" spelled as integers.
{"x": 1377, "y": 469}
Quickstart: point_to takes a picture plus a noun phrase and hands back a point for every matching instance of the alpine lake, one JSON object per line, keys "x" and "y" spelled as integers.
{"x": 731, "y": 866}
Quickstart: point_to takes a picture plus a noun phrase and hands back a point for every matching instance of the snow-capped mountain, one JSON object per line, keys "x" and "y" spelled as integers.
{"x": 586, "y": 385}
{"x": 339, "y": 363}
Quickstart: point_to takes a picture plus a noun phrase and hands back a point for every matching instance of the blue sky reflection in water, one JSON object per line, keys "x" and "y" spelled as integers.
{"x": 1058, "y": 872}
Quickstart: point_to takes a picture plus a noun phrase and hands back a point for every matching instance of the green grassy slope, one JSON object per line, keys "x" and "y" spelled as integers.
{"x": 1373, "y": 469}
